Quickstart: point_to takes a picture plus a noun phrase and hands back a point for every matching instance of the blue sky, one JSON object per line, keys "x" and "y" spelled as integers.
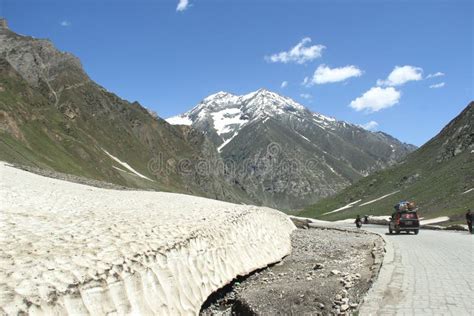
{"x": 169, "y": 60}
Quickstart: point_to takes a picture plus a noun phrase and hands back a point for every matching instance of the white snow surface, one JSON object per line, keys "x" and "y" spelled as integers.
{"x": 467, "y": 191}
{"x": 67, "y": 248}
{"x": 379, "y": 198}
{"x": 344, "y": 207}
{"x": 434, "y": 220}
{"x": 179, "y": 120}
{"x": 225, "y": 121}
{"x": 126, "y": 165}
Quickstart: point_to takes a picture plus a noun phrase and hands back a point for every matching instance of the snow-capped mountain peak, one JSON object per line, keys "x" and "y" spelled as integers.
{"x": 226, "y": 113}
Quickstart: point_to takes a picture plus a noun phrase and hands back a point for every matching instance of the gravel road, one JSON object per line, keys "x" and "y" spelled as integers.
{"x": 328, "y": 272}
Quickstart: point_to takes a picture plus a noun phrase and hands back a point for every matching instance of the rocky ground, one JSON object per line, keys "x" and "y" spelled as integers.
{"x": 328, "y": 272}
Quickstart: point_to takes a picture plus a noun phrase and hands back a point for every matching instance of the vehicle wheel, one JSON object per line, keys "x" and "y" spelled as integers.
{"x": 397, "y": 231}
{"x": 390, "y": 231}
{"x": 416, "y": 232}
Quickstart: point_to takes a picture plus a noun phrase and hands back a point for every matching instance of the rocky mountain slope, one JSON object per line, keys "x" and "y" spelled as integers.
{"x": 53, "y": 116}
{"x": 439, "y": 176}
{"x": 282, "y": 154}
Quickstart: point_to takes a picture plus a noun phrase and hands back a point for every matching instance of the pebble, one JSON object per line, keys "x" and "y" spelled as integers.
{"x": 318, "y": 266}
{"x": 335, "y": 272}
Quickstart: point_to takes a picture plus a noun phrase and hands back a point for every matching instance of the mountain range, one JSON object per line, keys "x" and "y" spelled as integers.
{"x": 260, "y": 148}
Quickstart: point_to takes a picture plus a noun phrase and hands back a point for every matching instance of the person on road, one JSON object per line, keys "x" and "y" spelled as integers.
{"x": 358, "y": 221}
{"x": 469, "y": 218}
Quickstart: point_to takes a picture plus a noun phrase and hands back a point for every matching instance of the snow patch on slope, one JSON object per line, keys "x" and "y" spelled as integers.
{"x": 227, "y": 120}
{"x": 344, "y": 207}
{"x": 126, "y": 165}
{"x": 97, "y": 251}
{"x": 379, "y": 198}
{"x": 219, "y": 149}
{"x": 179, "y": 120}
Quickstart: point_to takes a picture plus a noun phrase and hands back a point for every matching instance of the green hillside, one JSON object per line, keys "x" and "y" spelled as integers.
{"x": 437, "y": 176}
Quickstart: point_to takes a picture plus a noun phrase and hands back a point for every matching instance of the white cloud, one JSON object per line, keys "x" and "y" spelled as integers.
{"x": 306, "y": 96}
{"x": 284, "y": 84}
{"x": 401, "y": 75}
{"x": 182, "y": 5}
{"x": 438, "y": 85}
{"x": 325, "y": 74}
{"x": 376, "y": 99}
{"x": 65, "y": 23}
{"x": 436, "y": 74}
{"x": 299, "y": 54}
{"x": 370, "y": 126}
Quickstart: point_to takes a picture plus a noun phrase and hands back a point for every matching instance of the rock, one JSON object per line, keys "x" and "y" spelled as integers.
{"x": 335, "y": 272}
{"x": 353, "y": 305}
{"x": 344, "y": 293}
{"x": 344, "y": 307}
{"x": 456, "y": 227}
{"x": 309, "y": 278}
{"x": 321, "y": 305}
{"x": 318, "y": 266}
{"x": 300, "y": 222}
{"x": 338, "y": 297}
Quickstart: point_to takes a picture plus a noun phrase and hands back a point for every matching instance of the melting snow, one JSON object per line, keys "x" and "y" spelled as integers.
{"x": 126, "y": 165}
{"x": 304, "y": 137}
{"x": 344, "y": 207}
{"x": 332, "y": 169}
{"x": 380, "y": 198}
{"x": 226, "y": 142}
{"x": 434, "y": 220}
{"x": 179, "y": 120}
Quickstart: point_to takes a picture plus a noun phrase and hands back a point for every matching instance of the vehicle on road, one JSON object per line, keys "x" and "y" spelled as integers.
{"x": 404, "y": 221}
{"x": 405, "y": 218}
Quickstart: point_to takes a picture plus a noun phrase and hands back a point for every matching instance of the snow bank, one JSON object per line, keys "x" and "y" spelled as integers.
{"x": 434, "y": 220}
{"x": 67, "y": 248}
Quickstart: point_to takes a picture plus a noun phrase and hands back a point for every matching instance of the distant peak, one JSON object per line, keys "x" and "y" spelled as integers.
{"x": 218, "y": 95}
